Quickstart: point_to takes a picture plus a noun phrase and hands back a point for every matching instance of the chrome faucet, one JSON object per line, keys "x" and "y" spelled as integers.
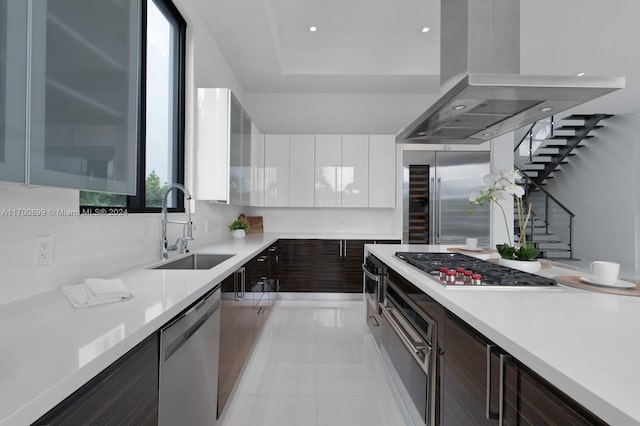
{"x": 187, "y": 228}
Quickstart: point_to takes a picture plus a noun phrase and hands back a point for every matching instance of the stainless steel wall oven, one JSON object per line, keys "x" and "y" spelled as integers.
{"x": 409, "y": 349}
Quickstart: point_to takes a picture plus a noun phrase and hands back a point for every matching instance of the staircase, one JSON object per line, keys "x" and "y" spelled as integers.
{"x": 542, "y": 151}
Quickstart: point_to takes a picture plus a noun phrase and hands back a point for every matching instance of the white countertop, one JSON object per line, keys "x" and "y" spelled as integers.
{"x": 48, "y": 349}
{"x": 585, "y": 343}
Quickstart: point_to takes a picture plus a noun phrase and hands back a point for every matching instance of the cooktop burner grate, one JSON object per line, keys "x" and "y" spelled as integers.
{"x": 492, "y": 274}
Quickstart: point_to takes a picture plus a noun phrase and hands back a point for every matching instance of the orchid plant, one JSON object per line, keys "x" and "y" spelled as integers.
{"x": 501, "y": 187}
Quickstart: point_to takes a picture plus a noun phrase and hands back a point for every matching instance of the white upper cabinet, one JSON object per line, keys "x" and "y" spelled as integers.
{"x": 13, "y": 89}
{"x": 276, "y": 170}
{"x": 211, "y": 151}
{"x": 223, "y": 148}
{"x": 257, "y": 167}
{"x": 327, "y": 171}
{"x": 382, "y": 171}
{"x": 302, "y": 158}
{"x": 355, "y": 171}
{"x": 239, "y": 155}
{"x": 84, "y": 94}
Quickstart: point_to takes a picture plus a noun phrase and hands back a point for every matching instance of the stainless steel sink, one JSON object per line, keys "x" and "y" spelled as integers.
{"x": 195, "y": 261}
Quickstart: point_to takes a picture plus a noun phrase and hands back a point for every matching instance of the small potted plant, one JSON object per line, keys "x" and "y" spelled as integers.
{"x": 238, "y": 228}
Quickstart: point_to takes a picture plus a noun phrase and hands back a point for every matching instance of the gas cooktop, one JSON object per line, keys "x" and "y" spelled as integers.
{"x": 453, "y": 265}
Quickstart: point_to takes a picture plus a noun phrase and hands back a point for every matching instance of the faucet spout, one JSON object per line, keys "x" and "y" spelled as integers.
{"x": 187, "y": 230}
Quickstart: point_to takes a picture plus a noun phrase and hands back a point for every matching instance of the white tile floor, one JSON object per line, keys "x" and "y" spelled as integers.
{"x": 315, "y": 364}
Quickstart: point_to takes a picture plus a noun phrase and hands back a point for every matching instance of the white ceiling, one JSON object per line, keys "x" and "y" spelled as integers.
{"x": 361, "y": 46}
{"x": 370, "y": 69}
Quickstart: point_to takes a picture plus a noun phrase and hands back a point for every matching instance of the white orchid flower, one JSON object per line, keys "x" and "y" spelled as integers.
{"x": 490, "y": 180}
{"x": 473, "y": 198}
{"x": 514, "y": 189}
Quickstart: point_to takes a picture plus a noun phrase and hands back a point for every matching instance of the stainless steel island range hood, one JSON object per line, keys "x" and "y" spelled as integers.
{"x": 482, "y": 93}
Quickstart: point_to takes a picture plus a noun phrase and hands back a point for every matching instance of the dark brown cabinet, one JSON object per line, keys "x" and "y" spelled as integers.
{"x": 530, "y": 399}
{"x": 246, "y": 301}
{"x": 481, "y": 383}
{"x": 126, "y": 392}
{"x": 322, "y": 266}
{"x": 229, "y": 356}
{"x": 465, "y": 387}
{"x": 297, "y": 260}
{"x": 257, "y": 291}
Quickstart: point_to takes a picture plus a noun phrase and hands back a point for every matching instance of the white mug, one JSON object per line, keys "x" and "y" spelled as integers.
{"x": 605, "y": 272}
{"x": 472, "y": 243}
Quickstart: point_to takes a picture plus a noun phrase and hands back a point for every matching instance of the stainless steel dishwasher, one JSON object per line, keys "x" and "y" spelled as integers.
{"x": 189, "y": 365}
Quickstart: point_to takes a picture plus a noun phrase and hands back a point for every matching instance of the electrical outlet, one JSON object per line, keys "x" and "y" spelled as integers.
{"x": 206, "y": 226}
{"x": 44, "y": 250}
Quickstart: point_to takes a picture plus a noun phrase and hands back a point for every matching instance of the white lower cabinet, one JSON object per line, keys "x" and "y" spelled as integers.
{"x": 276, "y": 170}
{"x": 302, "y": 182}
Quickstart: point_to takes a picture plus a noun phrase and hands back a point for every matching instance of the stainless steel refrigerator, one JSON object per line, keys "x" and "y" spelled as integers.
{"x": 436, "y": 190}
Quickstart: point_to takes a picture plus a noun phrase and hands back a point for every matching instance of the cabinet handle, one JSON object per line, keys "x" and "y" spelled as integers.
{"x": 440, "y": 369}
{"x": 345, "y": 248}
{"x": 273, "y": 249}
{"x": 243, "y": 273}
{"x": 504, "y": 360}
{"x": 237, "y": 284}
{"x": 439, "y": 195}
{"x": 340, "y": 253}
{"x": 262, "y": 258}
{"x": 490, "y": 414}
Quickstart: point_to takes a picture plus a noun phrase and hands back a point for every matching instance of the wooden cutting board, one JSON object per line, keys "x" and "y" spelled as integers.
{"x": 255, "y": 225}
{"x": 574, "y": 281}
{"x": 471, "y": 252}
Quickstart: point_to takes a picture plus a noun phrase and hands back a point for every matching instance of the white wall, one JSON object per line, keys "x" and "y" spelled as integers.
{"x": 94, "y": 246}
{"x": 600, "y": 185}
{"x": 591, "y": 36}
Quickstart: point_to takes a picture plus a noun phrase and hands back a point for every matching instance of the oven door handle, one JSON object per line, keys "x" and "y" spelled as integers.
{"x": 370, "y": 275}
{"x": 414, "y": 346}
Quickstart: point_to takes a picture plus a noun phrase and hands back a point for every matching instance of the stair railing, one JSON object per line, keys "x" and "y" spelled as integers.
{"x": 549, "y": 202}
{"x": 530, "y": 138}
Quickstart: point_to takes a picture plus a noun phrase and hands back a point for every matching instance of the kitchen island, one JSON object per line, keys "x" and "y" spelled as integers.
{"x": 584, "y": 343}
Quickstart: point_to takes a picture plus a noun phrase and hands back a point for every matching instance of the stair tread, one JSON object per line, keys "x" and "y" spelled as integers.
{"x": 577, "y": 127}
{"x": 586, "y": 116}
{"x": 563, "y": 146}
{"x": 565, "y": 137}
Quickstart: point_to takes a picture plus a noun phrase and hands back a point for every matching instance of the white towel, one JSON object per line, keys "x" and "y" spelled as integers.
{"x": 100, "y": 287}
{"x": 96, "y": 291}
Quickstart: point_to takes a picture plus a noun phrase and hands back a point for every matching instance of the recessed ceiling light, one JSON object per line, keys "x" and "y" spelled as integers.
{"x": 425, "y": 29}
{"x": 459, "y": 107}
{"x": 580, "y": 74}
{"x": 313, "y": 29}
{"x": 546, "y": 109}
{"x": 487, "y": 134}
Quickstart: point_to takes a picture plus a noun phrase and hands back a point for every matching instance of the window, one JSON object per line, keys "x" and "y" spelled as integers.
{"x": 161, "y": 116}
